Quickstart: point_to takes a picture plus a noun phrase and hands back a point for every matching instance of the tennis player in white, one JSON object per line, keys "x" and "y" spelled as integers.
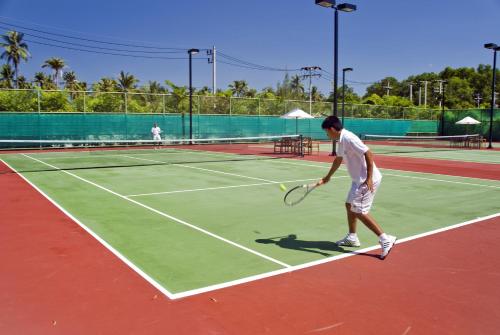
{"x": 156, "y": 131}
{"x": 366, "y": 179}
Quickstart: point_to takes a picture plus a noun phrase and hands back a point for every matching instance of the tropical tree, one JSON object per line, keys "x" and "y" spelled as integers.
{"x": 154, "y": 87}
{"x": 56, "y": 64}
{"x": 15, "y": 50}
{"x": 106, "y": 85}
{"x": 205, "y": 90}
{"x": 251, "y": 93}
{"x": 43, "y": 81}
{"x": 126, "y": 81}
{"x": 296, "y": 87}
{"x": 316, "y": 94}
{"x": 283, "y": 89}
{"x": 6, "y": 76}
{"x": 180, "y": 97}
{"x": 238, "y": 88}
{"x": 70, "y": 81}
{"x": 23, "y": 83}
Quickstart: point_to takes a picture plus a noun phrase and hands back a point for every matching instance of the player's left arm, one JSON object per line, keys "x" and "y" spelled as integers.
{"x": 369, "y": 169}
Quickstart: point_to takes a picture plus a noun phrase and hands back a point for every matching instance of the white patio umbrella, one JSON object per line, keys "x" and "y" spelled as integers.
{"x": 297, "y": 114}
{"x": 467, "y": 121}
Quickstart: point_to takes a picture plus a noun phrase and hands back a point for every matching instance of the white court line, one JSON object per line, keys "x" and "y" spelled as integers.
{"x": 405, "y": 176}
{"x": 99, "y": 239}
{"x": 247, "y": 279}
{"x": 323, "y": 261}
{"x": 165, "y": 215}
{"x": 203, "y": 169}
{"x": 225, "y": 187}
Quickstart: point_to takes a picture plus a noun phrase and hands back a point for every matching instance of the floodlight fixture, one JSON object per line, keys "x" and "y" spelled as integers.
{"x": 325, "y": 3}
{"x": 346, "y": 7}
{"x": 491, "y": 46}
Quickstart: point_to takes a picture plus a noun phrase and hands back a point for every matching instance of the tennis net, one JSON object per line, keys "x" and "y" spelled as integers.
{"x": 46, "y": 155}
{"x": 407, "y": 144}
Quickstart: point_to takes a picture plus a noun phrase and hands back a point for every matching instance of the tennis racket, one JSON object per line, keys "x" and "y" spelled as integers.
{"x": 298, "y": 193}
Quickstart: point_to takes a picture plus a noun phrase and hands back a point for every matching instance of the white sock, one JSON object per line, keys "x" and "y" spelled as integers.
{"x": 382, "y": 237}
{"x": 353, "y": 236}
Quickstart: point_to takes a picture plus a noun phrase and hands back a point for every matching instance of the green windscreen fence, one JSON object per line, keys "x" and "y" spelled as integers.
{"x": 119, "y": 126}
{"x": 481, "y": 115}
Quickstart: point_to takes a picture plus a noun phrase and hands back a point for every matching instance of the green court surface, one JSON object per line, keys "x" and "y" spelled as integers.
{"x": 192, "y": 225}
{"x": 465, "y": 155}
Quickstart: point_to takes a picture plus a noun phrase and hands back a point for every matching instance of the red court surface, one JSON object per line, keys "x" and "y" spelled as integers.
{"x": 57, "y": 279}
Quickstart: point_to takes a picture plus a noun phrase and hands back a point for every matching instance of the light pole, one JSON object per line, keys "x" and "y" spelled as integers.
{"x": 344, "y": 70}
{"x": 343, "y": 7}
{"x": 495, "y": 48}
{"x": 191, "y": 52}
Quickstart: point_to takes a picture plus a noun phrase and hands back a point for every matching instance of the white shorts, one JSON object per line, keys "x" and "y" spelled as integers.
{"x": 156, "y": 137}
{"x": 361, "y": 198}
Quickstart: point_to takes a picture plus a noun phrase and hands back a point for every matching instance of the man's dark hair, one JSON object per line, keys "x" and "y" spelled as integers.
{"x": 332, "y": 122}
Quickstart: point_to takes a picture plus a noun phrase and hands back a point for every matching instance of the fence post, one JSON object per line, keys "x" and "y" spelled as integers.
{"x": 38, "y": 100}
{"x": 230, "y": 106}
{"x": 84, "y": 102}
{"x": 163, "y": 100}
{"x": 126, "y": 107}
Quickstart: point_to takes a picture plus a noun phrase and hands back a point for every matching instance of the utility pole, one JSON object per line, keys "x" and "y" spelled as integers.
{"x": 419, "y": 94}
{"x": 411, "y": 91}
{"x": 425, "y": 92}
{"x": 310, "y": 73}
{"x": 213, "y": 61}
{"x": 388, "y": 88}
{"x": 440, "y": 81}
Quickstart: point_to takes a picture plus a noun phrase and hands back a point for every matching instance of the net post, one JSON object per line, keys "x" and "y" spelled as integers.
{"x": 301, "y": 145}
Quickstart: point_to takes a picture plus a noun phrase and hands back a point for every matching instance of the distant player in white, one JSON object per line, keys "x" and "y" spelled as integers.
{"x": 155, "y": 132}
{"x": 366, "y": 179}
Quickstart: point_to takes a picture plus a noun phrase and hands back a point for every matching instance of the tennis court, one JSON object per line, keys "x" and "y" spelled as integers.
{"x": 191, "y": 221}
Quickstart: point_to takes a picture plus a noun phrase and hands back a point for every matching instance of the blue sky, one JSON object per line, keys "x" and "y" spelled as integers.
{"x": 382, "y": 38}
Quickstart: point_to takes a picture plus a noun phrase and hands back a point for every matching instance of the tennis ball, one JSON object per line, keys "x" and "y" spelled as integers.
{"x": 283, "y": 187}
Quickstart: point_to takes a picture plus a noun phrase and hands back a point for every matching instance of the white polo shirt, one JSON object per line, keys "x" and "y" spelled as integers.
{"x": 155, "y": 131}
{"x": 352, "y": 150}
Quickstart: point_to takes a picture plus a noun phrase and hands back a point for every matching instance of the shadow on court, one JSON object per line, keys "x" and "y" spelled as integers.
{"x": 291, "y": 242}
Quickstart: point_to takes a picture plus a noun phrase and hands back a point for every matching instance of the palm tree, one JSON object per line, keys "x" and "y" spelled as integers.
{"x": 205, "y": 90}
{"x": 251, "y": 93}
{"x": 180, "y": 95}
{"x": 296, "y": 87}
{"x": 126, "y": 81}
{"x": 23, "y": 83}
{"x": 239, "y": 87}
{"x": 154, "y": 87}
{"x": 316, "y": 94}
{"x": 6, "y": 76}
{"x": 15, "y": 50}
{"x": 43, "y": 81}
{"x": 71, "y": 83}
{"x": 106, "y": 85}
{"x": 56, "y": 64}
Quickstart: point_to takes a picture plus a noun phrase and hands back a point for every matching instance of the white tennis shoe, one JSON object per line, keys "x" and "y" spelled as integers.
{"x": 348, "y": 242}
{"x": 387, "y": 244}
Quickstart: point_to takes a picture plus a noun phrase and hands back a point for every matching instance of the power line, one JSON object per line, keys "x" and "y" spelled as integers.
{"x": 91, "y": 40}
{"x": 93, "y": 47}
{"x": 254, "y": 65}
{"x": 103, "y": 52}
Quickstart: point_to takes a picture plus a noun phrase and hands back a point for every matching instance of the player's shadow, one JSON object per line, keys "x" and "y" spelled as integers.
{"x": 316, "y": 247}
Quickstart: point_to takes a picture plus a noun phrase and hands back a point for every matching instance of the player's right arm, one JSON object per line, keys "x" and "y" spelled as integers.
{"x": 335, "y": 165}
